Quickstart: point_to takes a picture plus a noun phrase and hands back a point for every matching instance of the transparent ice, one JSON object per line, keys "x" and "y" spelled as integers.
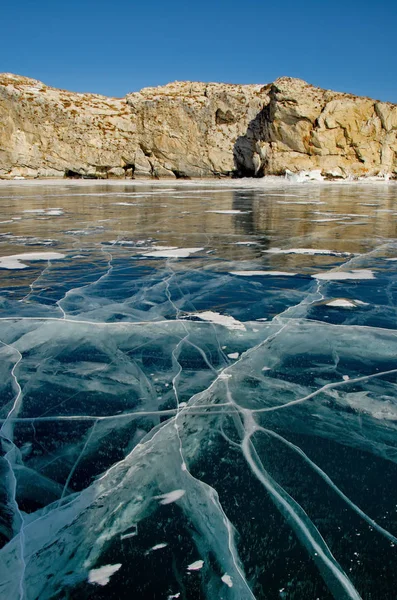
{"x": 197, "y": 399}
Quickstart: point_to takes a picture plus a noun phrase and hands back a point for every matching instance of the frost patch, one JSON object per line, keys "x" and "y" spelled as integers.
{"x": 102, "y": 575}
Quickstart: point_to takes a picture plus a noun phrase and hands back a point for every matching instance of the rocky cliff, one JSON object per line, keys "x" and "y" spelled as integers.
{"x": 187, "y": 129}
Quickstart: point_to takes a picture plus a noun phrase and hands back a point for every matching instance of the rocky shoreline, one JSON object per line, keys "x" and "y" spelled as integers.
{"x": 194, "y": 130}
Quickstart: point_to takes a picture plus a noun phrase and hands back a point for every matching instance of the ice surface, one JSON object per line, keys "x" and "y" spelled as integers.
{"x": 204, "y": 426}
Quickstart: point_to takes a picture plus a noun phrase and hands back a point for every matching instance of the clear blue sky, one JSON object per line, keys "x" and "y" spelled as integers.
{"x": 116, "y": 47}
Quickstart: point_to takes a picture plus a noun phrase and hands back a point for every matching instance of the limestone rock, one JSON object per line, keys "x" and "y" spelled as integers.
{"x": 188, "y": 129}
{"x": 50, "y": 132}
{"x": 312, "y": 128}
{"x": 191, "y": 128}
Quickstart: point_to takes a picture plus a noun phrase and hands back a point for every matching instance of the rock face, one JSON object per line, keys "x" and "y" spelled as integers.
{"x": 45, "y": 132}
{"x": 310, "y": 128}
{"x": 189, "y": 129}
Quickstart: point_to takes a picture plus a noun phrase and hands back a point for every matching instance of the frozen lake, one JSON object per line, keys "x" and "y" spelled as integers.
{"x": 198, "y": 390}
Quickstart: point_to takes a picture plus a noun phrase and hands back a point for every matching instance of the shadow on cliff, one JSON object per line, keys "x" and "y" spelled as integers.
{"x": 249, "y": 153}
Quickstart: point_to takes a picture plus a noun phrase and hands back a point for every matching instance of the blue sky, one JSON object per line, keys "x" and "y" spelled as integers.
{"x": 116, "y": 47}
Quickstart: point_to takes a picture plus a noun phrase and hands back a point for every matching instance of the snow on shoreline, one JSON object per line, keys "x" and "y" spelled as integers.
{"x": 257, "y": 183}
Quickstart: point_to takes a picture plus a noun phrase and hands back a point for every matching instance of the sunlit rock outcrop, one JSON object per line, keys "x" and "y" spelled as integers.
{"x": 341, "y": 134}
{"x": 191, "y": 129}
{"x": 45, "y": 132}
{"x": 188, "y": 129}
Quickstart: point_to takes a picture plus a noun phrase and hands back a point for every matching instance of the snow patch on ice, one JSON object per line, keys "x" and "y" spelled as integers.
{"x": 173, "y": 253}
{"x": 261, "y": 273}
{"x": 225, "y": 320}
{"x": 341, "y": 303}
{"x": 51, "y": 212}
{"x": 306, "y": 251}
{"x": 229, "y": 212}
{"x": 171, "y": 496}
{"x": 331, "y": 220}
{"x": 126, "y": 204}
{"x": 227, "y": 579}
{"x": 196, "y": 566}
{"x": 342, "y": 275}
{"x": 158, "y": 547}
{"x": 14, "y": 261}
{"x": 54, "y": 212}
{"x": 246, "y": 243}
{"x": 102, "y": 575}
